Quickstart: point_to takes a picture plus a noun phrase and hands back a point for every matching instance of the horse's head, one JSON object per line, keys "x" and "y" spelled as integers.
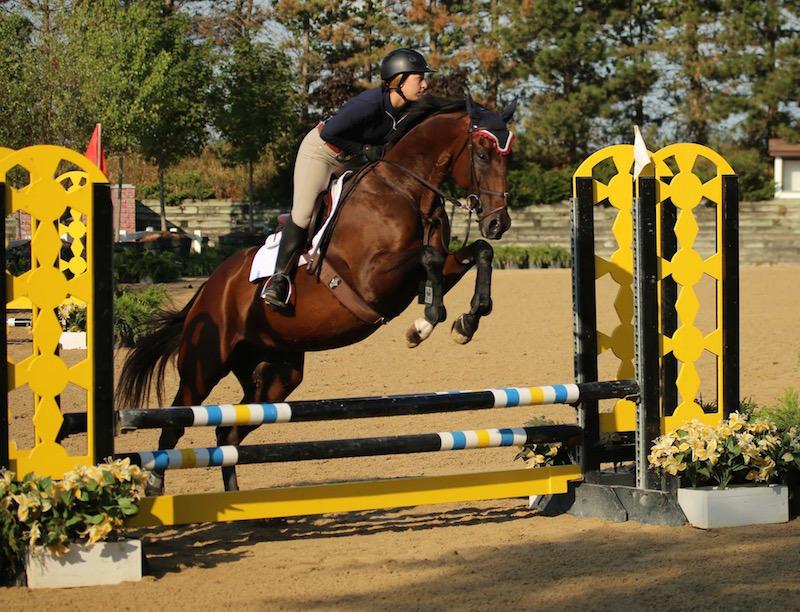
{"x": 484, "y": 168}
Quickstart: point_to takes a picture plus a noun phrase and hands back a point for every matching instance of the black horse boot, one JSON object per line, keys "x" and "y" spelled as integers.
{"x": 278, "y": 287}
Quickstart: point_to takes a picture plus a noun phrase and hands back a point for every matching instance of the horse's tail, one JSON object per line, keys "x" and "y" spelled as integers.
{"x": 149, "y": 358}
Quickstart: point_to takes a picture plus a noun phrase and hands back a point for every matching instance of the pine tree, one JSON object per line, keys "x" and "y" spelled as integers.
{"x": 760, "y": 69}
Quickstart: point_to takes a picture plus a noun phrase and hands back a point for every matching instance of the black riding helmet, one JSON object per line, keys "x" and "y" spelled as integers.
{"x": 403, "y": 61}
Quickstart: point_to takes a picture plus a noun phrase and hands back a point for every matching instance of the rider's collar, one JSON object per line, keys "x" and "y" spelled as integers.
{"x": 502, "y": 138}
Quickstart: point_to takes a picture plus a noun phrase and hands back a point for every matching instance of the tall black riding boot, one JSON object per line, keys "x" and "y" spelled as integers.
{"x": 277, "y": 289}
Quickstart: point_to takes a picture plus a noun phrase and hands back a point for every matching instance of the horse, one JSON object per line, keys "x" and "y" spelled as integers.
{"x": 391, "y": 236}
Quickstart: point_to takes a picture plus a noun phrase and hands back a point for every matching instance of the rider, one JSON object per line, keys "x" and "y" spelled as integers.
{"x": 360, "y": 128}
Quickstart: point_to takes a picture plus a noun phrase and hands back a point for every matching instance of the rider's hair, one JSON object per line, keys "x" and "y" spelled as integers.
{"x": 392, "y": 83}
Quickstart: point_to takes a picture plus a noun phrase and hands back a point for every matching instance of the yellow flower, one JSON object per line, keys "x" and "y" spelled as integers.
{"x": 25, "y": 503}
{"x": 57, "y": 550}
{"x": 674, "y": 468}
{"x": 736, "y": 421}
{"x": 787, "y": 457}
{"x": 34, "y": 534}
{"x": 94, "y": 473}
{"x": 553, "y": 451}
{"x": 99, "y": 532}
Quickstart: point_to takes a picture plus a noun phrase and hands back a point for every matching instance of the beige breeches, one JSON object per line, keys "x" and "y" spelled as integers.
{"x": 313, "y": 167}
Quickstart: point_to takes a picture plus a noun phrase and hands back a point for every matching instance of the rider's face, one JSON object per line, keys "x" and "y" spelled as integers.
{"x": 414, "y": 87}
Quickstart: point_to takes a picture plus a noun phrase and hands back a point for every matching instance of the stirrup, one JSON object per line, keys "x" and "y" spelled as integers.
{"x": 270, "y": 296}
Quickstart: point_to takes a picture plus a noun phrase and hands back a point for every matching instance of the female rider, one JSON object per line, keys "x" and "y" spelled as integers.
{"x": 361, "y": 127}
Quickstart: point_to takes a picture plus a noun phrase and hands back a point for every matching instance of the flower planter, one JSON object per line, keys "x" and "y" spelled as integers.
{"x": 73, "y": 340}
{"x": 711, "y": 507}
{"x": 85, "y": 565}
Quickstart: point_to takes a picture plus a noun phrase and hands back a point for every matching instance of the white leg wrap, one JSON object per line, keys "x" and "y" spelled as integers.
{"x": 423, "y": 328}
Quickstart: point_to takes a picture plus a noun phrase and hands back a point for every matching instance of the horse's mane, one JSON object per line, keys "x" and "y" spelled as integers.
{"x": 424, "y": 108}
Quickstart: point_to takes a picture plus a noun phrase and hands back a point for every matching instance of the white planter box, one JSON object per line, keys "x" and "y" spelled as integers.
{"x": 86, "y": 565}
{"x": 73, "y": 340}
{"x": 711, "y": 507}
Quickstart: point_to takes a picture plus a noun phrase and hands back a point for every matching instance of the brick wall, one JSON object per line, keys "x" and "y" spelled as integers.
{"x": 21, "y": 222}
{"x": 127, "y": 216}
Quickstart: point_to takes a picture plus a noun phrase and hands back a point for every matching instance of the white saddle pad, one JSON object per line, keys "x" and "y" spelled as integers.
{"x": 264, "y": 261}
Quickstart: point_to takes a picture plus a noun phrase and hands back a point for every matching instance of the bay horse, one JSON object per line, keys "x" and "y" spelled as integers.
{"x": 391, "y": 236}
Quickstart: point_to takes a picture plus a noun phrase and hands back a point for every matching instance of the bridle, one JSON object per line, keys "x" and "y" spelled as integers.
{"x": 474, "y": 204}
{"x": 475, "y": 180}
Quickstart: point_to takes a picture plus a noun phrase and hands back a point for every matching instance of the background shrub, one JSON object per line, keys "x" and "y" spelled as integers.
{"x": 132, "y": 265}
{"x": 134, "y": 312}
{"x": 532, "y": 184}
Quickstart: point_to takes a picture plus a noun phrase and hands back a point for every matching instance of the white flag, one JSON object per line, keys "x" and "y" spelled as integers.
{"x": 641, "y": 158}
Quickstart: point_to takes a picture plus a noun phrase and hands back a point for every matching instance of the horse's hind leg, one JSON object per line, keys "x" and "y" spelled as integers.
{"x": 196, "y": 382}
{"x": 480, "y": 254}
{"x": 267, "y": 378}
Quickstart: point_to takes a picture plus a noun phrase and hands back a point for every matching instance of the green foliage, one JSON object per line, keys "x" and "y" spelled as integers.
{"x": 545, "y": 454}
{"x": 72, "y": 317}
{"x": 540, "y": 256}
{"x": 756, "y": 179}
{"x": 135, "y": 311}
{"x": 786, "y": 413}
{"x": 531, "y": 184}
{"x": 253, "y": 98}
{"x": 90, "y": 504}
{"x": 193, "y": 185}
{"x": 549, "y": 256}
{"x": 132, "y": 265}
{"x": 11, "y": 541}
{"x": 204, "y": 263}
{"x": 18, "y": 260}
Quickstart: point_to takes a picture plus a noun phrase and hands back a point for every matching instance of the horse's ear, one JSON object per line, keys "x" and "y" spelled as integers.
{"x": 508, "y": 111}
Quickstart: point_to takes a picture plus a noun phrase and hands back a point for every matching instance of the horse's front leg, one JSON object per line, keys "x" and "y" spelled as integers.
{"x": 480, "y": 254}
{"x": 433, "y": 261}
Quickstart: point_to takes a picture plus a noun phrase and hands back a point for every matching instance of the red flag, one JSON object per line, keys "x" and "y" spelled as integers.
{"x": 95, "y": 151}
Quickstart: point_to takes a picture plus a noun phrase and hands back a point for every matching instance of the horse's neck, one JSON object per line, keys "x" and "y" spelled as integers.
{"x": 428, "y": 149}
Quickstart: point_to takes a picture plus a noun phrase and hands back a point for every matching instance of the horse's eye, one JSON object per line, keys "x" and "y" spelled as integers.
{"x": 482, "y": 155}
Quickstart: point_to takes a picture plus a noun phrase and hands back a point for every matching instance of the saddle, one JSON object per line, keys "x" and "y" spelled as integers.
{"x": 322, "y": 208}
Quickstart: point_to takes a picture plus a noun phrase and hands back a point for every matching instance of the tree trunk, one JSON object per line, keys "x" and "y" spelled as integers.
{"x": 161, "y": 199}
{"x": 250, "y": 200}
{"x": 118, "y": 220}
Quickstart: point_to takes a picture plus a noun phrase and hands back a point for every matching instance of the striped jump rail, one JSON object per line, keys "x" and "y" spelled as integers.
{"x": 354, "y": 447}
{"x": 378, "y": 406}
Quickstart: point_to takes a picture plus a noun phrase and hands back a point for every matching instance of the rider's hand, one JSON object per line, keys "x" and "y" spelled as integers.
{"x": 373, "y": 153}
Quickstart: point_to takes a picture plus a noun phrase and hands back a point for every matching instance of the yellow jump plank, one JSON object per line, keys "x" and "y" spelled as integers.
{"x": 351, "y": 496}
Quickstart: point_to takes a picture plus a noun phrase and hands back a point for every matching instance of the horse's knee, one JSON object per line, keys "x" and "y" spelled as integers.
{"x": 432, "y": 259}
{"x": 484, "y": 253}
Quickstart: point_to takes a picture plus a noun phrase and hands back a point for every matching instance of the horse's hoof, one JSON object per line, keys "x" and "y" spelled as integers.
{"x": 418, "y": 332}
{"x": 412, "y": 338}
{"x": 458, "y": 333}
{"x": 154, "y": 485}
